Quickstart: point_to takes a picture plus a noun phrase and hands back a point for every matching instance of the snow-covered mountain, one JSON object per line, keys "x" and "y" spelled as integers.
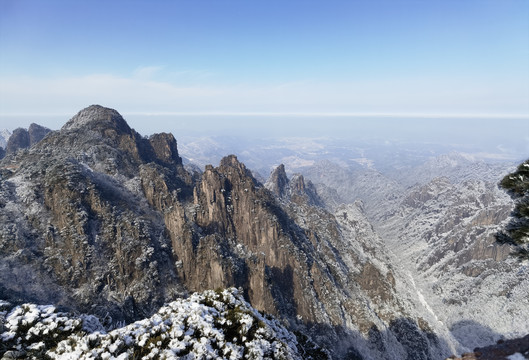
{"x": 354, "y": 255}
{"x": 444, "y": 235}
{"x": 98, "y": 219}
{"x": 439, "y": 221}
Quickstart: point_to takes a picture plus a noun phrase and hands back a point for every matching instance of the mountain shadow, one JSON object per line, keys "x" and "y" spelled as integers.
{"x": 403, "y": 339}
{"x": 471, "y": 334}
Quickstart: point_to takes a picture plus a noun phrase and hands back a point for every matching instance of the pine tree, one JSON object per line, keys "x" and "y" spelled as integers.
{"x": 517, "y": 231}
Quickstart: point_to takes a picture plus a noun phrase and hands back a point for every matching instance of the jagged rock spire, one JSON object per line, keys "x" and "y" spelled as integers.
{"x": 278, "y": 181}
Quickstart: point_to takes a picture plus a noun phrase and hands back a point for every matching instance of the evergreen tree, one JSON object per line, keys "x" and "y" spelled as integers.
{"x": 517, "y": 231}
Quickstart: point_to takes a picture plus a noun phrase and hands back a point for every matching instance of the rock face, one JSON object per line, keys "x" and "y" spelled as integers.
{"x": 74, "y": 219}
{"x": 278, "y": 181}
{"x": 22, "y": 138}
{"x": 98, "y": 219}
{"x": 18, "y": 140}
{"x": 37, "y": 133}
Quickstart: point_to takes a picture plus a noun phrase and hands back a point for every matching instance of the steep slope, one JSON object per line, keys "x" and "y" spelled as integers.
{"x": 98, "y": 219}
{"x": 444, "y": 235}
{"x": 441, "y": 234}
{"x": 346, "y": 185}
{"x": 76, "y": 229}
{"x": 455, "y": 166}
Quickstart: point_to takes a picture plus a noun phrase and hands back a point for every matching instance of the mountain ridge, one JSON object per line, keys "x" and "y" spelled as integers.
{"x": 119, "y": 226}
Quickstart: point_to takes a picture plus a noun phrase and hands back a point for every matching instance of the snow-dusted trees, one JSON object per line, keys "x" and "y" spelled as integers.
{"x": 517, "y": 231}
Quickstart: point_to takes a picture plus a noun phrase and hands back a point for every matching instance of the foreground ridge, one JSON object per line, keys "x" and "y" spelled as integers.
{"x": 210, "y": 324}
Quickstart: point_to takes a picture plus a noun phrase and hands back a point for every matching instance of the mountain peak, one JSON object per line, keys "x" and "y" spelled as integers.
{"x": 231, "y": 162}
{"x": 97, "y": 114}
{"x": 24, "y": 138}
{"x": 278, "y": 181}
{"x": 295, "y": 189}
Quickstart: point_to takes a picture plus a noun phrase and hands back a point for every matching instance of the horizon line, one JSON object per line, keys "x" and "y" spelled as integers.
{"x": 296, "y": 114}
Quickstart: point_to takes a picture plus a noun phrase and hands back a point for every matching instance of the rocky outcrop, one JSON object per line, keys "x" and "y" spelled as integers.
{"x": 294, "y": 189}
{"x": 74, "y": 217}
{"x": 23, "y": 139}
{"x": 18, "y": 140}
{"x": 37, "y": 133}
{"x": 278, "y": 181}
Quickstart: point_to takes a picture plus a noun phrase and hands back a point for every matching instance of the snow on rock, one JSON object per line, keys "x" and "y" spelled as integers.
{"x": 207, "y": 325}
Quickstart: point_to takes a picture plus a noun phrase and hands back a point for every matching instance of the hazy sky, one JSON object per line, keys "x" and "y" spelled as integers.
{"x": 303, "y": 57}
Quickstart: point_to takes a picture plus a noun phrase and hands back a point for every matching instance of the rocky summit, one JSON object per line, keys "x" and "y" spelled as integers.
{"x": 24, "y": 138}
{"x": 96, "y": 219}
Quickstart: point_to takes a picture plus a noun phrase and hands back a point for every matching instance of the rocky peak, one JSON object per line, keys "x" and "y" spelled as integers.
{"x": 37, "y": 133}
{"x": 164, "y": 146}
{"x": 231, "y": 162}
{"x": 97, "y": 116}
{"x": 18, "y": 140}
{"x": 295, "y": 189}
{"x": 24, "y": 138}
{"x": 297, "y": 184}
{"x": 304, "y": 190}
{"x": 101, "y": 138}
{"x": 278, "y": 181}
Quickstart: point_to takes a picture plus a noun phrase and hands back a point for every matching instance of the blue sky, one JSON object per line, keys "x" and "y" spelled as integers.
{"x": 277, "y": 58}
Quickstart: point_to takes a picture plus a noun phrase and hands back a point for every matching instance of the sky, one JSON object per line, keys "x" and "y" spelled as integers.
{"x": 164, "y": 63}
